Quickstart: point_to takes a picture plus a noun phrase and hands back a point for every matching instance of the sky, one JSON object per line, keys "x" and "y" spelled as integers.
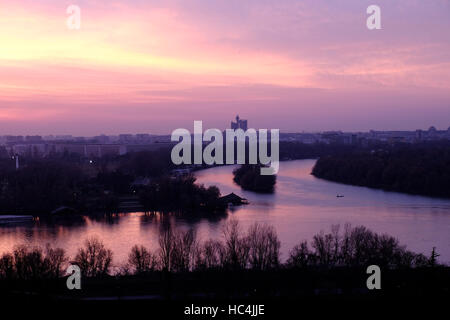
{"x": 151, "y": 66}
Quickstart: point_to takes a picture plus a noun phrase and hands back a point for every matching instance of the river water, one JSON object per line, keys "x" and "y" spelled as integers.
{"x": 301, "y": 206}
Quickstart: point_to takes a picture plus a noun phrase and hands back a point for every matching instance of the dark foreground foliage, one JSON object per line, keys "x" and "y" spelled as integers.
{"x": 256, "y": 249}
{"x": 241, "y": 265}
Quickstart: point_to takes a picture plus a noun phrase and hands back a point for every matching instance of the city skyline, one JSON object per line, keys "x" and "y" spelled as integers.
{"x": 154, "y": 66}
{"x": 59, "y": 136}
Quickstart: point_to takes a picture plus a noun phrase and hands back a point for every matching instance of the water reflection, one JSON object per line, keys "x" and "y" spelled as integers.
{"x": 301, "y": 206}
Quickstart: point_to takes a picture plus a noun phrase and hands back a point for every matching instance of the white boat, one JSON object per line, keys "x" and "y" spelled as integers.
{"x": 14, "y": 219}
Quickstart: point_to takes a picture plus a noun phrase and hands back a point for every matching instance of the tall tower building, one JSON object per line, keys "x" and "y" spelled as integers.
{"x": 239, "y": 124}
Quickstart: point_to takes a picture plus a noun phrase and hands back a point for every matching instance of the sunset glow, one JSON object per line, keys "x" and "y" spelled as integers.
{"x": 151, "y": 66}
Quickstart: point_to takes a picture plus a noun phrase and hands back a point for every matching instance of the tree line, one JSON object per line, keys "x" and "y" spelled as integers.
{"x": 97, "y": 184}
{"x": 257, "y": 248}
{"x": 249, "y": 177}
{"x": 180, "y": 194}
{"x": 422, "y": 169}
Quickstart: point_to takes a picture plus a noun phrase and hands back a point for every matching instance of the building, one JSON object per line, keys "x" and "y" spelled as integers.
{"x": 33, "y": 139}
{"x": 126, "y": 138}
{"x": 79, "y": 139}
{"x": 239, "y": 124}
{"x": 232, "y": 199}
{"x": 65, "y": 137}
{"x": 29, "y": 149}
{"x": 142, "y": 138}
{"x": 14, "y": 139}
{"x": 93, "y": 150}
{"x": 103, "y": 139}
{"x": 432, "y": 132}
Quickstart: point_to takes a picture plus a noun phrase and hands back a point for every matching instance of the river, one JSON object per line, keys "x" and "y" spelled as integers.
{"x": 301, "y": 206}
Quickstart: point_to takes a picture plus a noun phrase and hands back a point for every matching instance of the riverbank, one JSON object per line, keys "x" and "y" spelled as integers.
{"x": 301, "y": 206}
{"x": 417, "y": 169}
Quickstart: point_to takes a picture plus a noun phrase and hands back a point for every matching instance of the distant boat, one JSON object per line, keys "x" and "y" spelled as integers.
{"x": 339, "y": 196}
{"x": 63, "y": 211}
{"x": 6, "y": 219}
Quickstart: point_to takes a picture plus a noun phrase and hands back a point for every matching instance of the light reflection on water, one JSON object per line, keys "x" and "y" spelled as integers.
{"x": 301, "y": 206}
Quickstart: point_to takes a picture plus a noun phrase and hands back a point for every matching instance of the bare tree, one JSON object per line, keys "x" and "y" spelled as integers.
{"x": 55, "y": 259}
{"x": 210, "y": 255}
{"x": 236, "y": 246}
{"x": 94, "y": 259}
{"x": 166, "y": 246}
{"x": 142, "y": 260}
{"x": 346, "y": 245}
{"x": 263, "y": 246}
{"x": 360, "y": 246}
{"x": 323, "y": 246}
{"x": 29, "y": 263}
{"x": 7, "y": 270}
{"x": 184, "y": 250}
{"x": 33, "y": 263}
{"x": 300, "y": 256}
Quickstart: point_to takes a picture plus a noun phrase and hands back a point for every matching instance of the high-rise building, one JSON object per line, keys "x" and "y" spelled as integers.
{"x": 239, "y": 124}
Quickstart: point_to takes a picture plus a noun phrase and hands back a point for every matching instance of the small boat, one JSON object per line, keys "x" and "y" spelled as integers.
{"x": 12, "y": 219}
{"x": 339, "y": 196}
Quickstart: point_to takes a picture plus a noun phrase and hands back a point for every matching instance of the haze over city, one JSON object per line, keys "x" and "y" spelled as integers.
{"x": 153, "y": 66}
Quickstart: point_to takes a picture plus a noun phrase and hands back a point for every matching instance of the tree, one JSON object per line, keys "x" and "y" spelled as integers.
{"x": 264, "y": 247}
{"x": 94, "y": 259}
{"x": 166, "y": 247}
{"x": 433, "y": 257}
{"x": 249, "y": 177}
{"x": 236, "y": 246}
{"x": 142, "y": 260}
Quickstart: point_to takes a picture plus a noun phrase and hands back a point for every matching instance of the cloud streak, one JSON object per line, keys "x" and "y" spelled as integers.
{"x": 195, "y": 57}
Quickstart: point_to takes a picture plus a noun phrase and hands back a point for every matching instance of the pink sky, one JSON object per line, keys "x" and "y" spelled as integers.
{"x": 156, "y": 65}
